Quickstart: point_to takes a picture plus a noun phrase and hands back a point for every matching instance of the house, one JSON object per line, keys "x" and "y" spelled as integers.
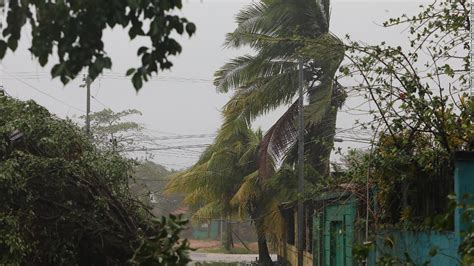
{"x": 336, "y": 231}
{"x": 330, "y": 229}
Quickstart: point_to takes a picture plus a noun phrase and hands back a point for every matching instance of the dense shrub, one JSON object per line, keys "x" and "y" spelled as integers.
{"x": 64, "y": 202}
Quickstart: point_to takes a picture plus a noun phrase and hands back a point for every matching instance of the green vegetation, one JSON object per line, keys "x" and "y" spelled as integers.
{"x": 66, "y": 202}
{"x": 423, "y": 116}
{"x": 73, "y": 30}
{"x": 423, "y": 111}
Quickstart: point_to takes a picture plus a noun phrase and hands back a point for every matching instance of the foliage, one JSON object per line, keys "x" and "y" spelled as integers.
{"x": 423, "y": 113}
{"x": 466, "y": 249}
{"x": 166, "y": 248}
{"x": 112, "y": 131}
{"x": 73, "y": 30}
{"x": 65, "y": 202}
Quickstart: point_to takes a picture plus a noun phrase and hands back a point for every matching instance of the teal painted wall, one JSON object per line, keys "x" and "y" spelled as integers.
{"x": 418, "y": 246}
{"x": 333, "y": 234}
{"x": 209, "y": 232}
{"x": 463, "y": 187}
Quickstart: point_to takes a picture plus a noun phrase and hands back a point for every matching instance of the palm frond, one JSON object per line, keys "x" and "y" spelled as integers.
{"x": 248, "y": 192}
{"x": 266, "y": 95}
{"x": 244, "y": 71}
{"x": 212, "y": 210}
{"x": 197, "y": 197}
{"x": 277, "y": 141}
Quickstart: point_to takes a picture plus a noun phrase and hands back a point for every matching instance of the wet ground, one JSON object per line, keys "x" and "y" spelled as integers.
{"x": 224, "y": 259}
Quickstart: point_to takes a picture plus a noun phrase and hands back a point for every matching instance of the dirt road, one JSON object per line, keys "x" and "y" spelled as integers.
{"x": 226, "y": 258}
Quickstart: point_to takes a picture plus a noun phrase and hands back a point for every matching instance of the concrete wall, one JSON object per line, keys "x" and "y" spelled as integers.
{"x": 436, "y": 248}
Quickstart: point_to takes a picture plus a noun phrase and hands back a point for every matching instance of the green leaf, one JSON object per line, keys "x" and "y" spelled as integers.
{"x": 142, "y": 50}
{"x": 137, "y": 81}
{"x": 43, "y": 60}
{"x": 107, "y": 62}
{"x": 190, "y": 28}
{"x": 12, "y": 43}
{"x": 3, "y": 48}
{"x": 130, "y": 71}
{"x": 57, "y": 70}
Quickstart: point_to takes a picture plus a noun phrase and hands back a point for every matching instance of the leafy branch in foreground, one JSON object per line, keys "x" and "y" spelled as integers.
{"x": 73, "y": 30}
{"x": 423, "y": 109}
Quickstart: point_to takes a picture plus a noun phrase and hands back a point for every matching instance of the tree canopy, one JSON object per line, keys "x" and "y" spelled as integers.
{"x": 114, "y": 131}
{"x": 73, "y": 31}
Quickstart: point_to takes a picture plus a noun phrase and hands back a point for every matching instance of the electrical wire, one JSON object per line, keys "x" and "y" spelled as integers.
{"x": 42, "y": 92}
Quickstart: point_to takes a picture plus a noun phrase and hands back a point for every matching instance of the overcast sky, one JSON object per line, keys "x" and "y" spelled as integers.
{"x": 183, "y": 101}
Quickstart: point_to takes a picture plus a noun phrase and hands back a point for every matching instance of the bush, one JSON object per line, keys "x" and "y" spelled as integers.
{"x": 64, "y": 202}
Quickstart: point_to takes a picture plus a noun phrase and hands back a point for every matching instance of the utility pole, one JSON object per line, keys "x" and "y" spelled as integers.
{"x": 300, "y": 214}
{"x": 471, "y": 52}
{"x": 88, "y": 105}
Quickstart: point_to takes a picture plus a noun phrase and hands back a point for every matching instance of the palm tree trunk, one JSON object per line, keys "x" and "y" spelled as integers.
{"x": 227, "y": 242}
{"x": 264, "y": 258}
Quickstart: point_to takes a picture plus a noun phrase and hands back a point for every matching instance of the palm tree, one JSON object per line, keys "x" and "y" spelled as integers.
{"x": 224, "y": 183}
{"x": 282, "y": 32}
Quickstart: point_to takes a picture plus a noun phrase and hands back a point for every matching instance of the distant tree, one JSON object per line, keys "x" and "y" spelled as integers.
{"x": 149, "y": 182}
{"x": 73, "y": 30}
{"x": 114, "y": 131}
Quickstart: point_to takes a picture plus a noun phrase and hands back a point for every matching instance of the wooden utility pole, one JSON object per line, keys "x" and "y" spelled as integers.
{"x": 471, "y": 52}
{"x": 88, "y": 105}
{"x": 300, "y": 215}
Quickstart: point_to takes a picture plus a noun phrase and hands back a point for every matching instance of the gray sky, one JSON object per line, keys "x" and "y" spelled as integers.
{"x": 183, "y": 101}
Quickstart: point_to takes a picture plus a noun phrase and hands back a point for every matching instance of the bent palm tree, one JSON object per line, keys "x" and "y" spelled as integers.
{"x": 283, "y": 32}
{"x": 224, "y": 184}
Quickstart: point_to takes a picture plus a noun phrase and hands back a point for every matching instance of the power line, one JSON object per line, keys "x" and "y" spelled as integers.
{"x": 117, "y": 76}
{"x": 42, "y": 92}
{"x": 170, "y": 148}
{"x": 181, "y": 137}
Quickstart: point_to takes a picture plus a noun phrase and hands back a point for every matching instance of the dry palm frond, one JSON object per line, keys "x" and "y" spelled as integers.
{"x": 278, "y": 139}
